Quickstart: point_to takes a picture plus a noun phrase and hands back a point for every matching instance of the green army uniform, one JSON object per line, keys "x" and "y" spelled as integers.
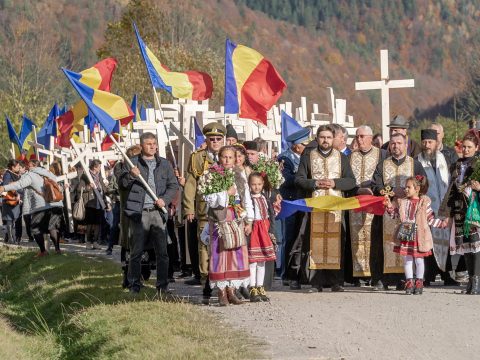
{"x": 193, "y": 203}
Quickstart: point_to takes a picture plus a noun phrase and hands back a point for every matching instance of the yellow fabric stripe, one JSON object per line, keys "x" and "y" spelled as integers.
{"x": 112, "y": 104}
{"x": 181, "y": 86}
{"x": 91, "y": 77}
{"x": 331, "y": 203}
{"x": 244, "y": 60}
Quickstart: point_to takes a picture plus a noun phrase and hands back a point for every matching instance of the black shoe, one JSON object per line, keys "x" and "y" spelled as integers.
{"x": 450, "y": 282}
{"x": 357, "y": 283}
{"x": 468, "y": 290}
{"x": 337, "y": 288}
{"x": 18, "y": 240}
{"x": 134, "y": 290}
{"x": 295, "y": 285}
{"x": 286, "y": 282}
{"x": 108, "y": 252}
{"x": 427, "y": 283}
{"x": 244, "y": 292}
{"x": 400, "y": 285}
{"x": 185, "y": 274}
{"x": 207, "y": 293}
{"x": 319, "y": 288}
{"x": 193, "y": 281}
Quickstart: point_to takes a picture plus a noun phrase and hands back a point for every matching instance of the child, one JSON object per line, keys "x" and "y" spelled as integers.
{"x": 261, "y": 245}
{"x": 413, "y": 237}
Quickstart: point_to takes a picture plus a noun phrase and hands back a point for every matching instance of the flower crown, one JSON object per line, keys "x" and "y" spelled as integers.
{"x": 419, "y": 177}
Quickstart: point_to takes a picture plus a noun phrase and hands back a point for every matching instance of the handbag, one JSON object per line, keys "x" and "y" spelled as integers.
{"x": 78, "y": 211}
{"x": 406, "y": 231}
{"x": 231, "y": 235}
{"x": 11, "y": 198}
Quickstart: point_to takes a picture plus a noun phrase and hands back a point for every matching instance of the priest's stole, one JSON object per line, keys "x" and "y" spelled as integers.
{"x": 360, "y": 235}
{"x": 326, "y": 227}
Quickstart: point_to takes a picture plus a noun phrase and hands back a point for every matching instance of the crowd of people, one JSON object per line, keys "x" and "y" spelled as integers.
{"x": 231, "y": 235}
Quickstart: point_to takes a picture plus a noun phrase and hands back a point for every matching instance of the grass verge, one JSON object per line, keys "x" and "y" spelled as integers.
{"x": 73, "y": 307}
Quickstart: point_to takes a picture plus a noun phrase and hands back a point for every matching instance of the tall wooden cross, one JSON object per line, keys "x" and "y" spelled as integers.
{"x": 385, "y": 84}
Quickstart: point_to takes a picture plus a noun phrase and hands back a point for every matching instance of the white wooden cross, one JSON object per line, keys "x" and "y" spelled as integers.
{"x": 385, "y": 84}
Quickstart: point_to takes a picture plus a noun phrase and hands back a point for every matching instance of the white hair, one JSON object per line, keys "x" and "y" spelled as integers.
{"x": 367, "y": 128}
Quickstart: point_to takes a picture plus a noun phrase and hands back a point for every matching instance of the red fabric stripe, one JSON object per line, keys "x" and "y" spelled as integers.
{"x": 124, "y": 121}
{"x": 107, "y": 143}
{"x": 64, "y": 127}
{"x": 202, "y": 85}
{"x": 106, "y": 68}
{"x": 261, "y": 91}
{"x": 371, "y": 204}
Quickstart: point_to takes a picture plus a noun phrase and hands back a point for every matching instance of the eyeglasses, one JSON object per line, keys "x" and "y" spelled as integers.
{"x": 215, "y": 139}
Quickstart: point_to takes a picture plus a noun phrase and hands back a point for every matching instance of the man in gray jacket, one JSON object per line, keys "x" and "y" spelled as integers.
{"x": 46, "y": 217}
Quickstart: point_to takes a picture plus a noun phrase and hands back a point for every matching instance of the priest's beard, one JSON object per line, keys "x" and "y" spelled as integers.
{"x": 429, "y": 156}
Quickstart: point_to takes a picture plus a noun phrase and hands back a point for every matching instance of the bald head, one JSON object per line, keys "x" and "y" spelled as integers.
{"x": 439, "y": 129}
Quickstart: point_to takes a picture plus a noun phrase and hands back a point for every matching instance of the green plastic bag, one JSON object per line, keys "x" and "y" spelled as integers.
{"x": 473, "y": 214}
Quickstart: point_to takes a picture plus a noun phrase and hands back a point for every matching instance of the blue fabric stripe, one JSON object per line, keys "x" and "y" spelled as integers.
{"x": 291, "y": 207}
{"x": 155, "y": 78}
{"x": 289, "y": 126}
{"x": 12, "y": 134}
{"x": 86, "y": 93}
{"x": 231, "y": 91}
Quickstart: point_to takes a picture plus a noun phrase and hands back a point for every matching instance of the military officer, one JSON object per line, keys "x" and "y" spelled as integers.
{"x": 193, "y": 204}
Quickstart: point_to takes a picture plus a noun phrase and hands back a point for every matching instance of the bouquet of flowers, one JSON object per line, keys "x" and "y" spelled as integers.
{"x": 216, "y": 179}
{"x": 272, "y": 170}
{"x": 476, "y": 169}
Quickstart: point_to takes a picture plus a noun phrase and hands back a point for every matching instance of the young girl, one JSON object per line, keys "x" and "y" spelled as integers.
{"x": 413, "y": 236}
{"x": 261, "y": 245}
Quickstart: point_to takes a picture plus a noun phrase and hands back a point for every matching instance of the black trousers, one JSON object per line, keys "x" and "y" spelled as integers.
{"x": 472, "y": 261}
{"x": 151, "y": 227}
{"x": 193, "y": 247}
{"x": 172, "y": 248}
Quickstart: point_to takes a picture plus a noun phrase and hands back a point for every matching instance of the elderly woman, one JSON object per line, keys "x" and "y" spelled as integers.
{"x": 229, "y": 267}
{"x": 462, "y": 192}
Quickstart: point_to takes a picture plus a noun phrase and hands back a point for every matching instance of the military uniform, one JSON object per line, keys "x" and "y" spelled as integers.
{"x": 193, "y": 203}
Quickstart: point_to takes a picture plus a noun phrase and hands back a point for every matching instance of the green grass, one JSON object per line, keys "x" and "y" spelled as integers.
{"x": 73, "y": 307}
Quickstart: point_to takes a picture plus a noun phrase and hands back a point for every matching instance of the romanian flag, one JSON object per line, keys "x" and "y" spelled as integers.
{"x": 199, "y": 137}
{"x": 252, "y": 84}
{"x": 192, "y": 85}
{"x": 361, "y": 203}
{"x": 289, "y": 126}
{"x": 26, "y": 133}
{"x": 99, "y": 76}
{"x": 104, "y": 106}
{"x": 12, "y": 134}
{"x": 107, "y": 143}
{"x": 49, "y": 128}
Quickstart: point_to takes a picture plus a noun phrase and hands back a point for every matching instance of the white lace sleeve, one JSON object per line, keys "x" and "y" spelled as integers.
{"x": 217, "y": 200}
{"x": 249, "y": 205}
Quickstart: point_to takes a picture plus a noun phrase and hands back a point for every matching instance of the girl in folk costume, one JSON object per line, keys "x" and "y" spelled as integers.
{"x": 413, "y": 237}
{"x": 261, "y": 247}
{"x": 230, "y": 214}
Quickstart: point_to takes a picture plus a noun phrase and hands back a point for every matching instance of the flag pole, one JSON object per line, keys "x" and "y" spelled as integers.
{"x": 140, "y": 177}
{"x": 164, "y": 126}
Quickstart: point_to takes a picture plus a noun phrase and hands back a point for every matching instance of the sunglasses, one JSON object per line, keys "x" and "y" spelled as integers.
{"x": 215, "y": 139}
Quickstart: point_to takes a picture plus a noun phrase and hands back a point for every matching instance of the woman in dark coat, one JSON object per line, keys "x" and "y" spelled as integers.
{"x": 94, "y": 203}
{"x": 10, "y": 213}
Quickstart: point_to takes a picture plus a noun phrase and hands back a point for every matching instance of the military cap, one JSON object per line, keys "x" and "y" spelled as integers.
{"x": 214, "y": 128}
{"x": 398, "y": 122}
{"x": 299, "y": 137}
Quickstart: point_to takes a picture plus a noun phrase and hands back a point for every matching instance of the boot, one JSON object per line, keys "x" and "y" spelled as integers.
{"x": 254, "y": 295}
{"x": 222, "y": 297}
{"x": 262, "y": 293}
{"x": 418, "y": 287}
{"x": 232, "y": 298}
{"x": 475, "y": 285}
{"x": 244, "y": 292}
{"x": 409, "y": 287}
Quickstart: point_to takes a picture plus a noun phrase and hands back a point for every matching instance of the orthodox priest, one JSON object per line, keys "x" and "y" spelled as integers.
{"x": 319, "y": 247}
{"x": 363, "y": 163}
{"x": 437, "y": 167}
{"x": 387, "y": 266}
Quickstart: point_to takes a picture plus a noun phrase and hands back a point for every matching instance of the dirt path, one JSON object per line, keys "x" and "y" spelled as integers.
{"x": 356, "y": 324}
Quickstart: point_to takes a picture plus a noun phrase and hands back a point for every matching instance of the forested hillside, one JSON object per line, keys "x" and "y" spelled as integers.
{"x": 313, "y": 44}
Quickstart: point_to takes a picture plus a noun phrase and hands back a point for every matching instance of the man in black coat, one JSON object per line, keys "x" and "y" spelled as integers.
{"x": 147, "y": 221}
